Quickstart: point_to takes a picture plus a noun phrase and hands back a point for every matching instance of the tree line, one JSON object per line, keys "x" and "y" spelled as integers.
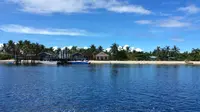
{"x": 11, "y": 49}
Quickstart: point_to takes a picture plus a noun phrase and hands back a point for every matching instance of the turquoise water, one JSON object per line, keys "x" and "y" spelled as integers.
{"x": 100, "y": 88}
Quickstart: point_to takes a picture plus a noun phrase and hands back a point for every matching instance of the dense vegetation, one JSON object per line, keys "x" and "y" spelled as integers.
{"x": 167, "y": 53}
{"x": 5, "y": 56}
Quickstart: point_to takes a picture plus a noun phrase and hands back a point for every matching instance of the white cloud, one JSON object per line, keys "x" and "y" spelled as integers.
{"x": 120, "y": 48}
{"x": 55, "y": 48}
{"x": 130, "y": 9}
{"x": 78, "y": 48}
{"x": 170, "y": 23}
{"x": 1, "y": 46}
{"x": 125, "y": 47}
{"x": 69, "y": 47}
{"x": 177, "y": 39}
{"x": 51, "y": 6}
{"x": 85, "y": 48}
{"x": 191, "y": 9}
{"x": 30, "y": 30}
{"x": 165, "y": 14}
{"x": 138, "y": 50}
{"x": 143, "y": 22}
{"x": 108, "y": 49}
{"x": 63, "y": 48}
{"x": 77, "y": 6}
{"x": 173, "y": 22}
{"x": 155, "y": 31}
{"x": 132, "y": 49}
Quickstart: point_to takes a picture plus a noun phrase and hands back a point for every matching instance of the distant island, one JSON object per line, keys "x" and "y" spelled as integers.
{"x": 28, "y": 50}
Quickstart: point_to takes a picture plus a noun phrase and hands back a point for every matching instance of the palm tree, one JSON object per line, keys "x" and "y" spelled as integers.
{"x": 166, "y": 52}
{"x": 66, "y": 52}
{"x": 11, "y": 47}
{"x": 26, "y": 47}
{"x": 167, "y": 49}
{"x": 195, "y": 54}
{"x": 74, "y": 49}
{"x": 50, "y": 49}
{"x": 37, "y": 48}
{"x": 158, "y": 52}
{"x": 100, "y": 49}
{"x": 5, "y": 48}
{"x": 58, "y": 52}
{"x": 20, "y": 44}
{"x": 93, "y": 48}
{"x": 114, "y": 50}
{"x": 128, "y": 49}
{"x": 175, "y": 52}
{"x": 176, "y": 49}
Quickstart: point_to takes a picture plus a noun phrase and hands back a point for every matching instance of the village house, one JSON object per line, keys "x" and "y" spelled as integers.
{"x": 102, "y": 56}
{"x": 153, "y": 58}
{"x": 45, "y": 56}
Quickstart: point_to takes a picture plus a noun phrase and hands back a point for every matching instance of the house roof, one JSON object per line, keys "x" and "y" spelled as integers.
{"x": 45, "y": 53}
{"x": 30, "y": 55}
{"x": 77, "y": 54}
{"x": 102, "y": 54}
{"x": 153, "y": 57}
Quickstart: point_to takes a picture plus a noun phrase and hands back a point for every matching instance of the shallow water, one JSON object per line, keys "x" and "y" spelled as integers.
{"x": 100, "y": 88}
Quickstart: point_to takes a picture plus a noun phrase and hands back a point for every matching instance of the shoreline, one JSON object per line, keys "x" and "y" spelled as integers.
{"x": 119, "y": 62}
{"x": 6, "y": 61}
{"x": 37, "y": 62}
{"x": 147, "y": 62}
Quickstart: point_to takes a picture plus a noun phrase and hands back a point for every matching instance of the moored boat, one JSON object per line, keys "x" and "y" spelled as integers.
{"x": 10, "y": 63}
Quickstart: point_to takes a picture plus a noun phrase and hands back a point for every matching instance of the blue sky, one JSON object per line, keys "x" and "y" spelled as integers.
{"x": 141, "y": 24}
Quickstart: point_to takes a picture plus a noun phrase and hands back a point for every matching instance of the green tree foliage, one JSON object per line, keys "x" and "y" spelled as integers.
{"x": 100, "y": 49}
{"x": 195, "y": 54}
{"x": 114, "y": 51}
{"x": 92, "y": 48}
{"x": 175, "y": 52}
{"x": 122, "y": 55}
{"x": 5, "y": 56}
{"x": 22, "y": 48}
{"x": 167, "y": 53}
{"x": 74, "y": 49}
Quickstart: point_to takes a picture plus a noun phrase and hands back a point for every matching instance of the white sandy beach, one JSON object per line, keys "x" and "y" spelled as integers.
{"x": 146, "y": 62}
{"x": 48, "y": 62}
{"x": 40, "y": 62}
{"x": 6, "y": 61}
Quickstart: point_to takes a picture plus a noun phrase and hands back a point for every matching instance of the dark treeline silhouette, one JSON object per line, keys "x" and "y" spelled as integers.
{"x": 167, "y": 53}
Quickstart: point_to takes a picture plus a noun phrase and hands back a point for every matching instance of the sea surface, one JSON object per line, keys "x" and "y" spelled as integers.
{"x": 100, "y": 88}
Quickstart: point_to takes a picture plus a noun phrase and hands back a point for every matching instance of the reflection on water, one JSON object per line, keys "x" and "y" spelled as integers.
{"x": 114, "y": 69}
{"x": 97, "y": 88}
